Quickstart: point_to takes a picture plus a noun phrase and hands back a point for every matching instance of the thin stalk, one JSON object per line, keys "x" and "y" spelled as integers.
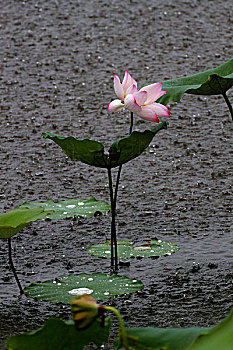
{"x": 113, "y": 198}
{"x": 131, "y": 123}
{"x": 114, "y": 262}
{"x": 228, "y": 104}
{"x": 123, "y": 334}
{"x": 117, "y": 183}
{"x": 12, "y": 266}
{"x": 120, "y": 167}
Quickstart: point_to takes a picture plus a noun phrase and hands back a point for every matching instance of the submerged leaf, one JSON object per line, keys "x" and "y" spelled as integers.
{"x": 214, "y": 81}
{"x": 57, "y": 334}
{"x": 98, "y": 285}
{"x": 127, "y": 249}
{"x": 16, "y": 219}
{"x": 71, "y": 207}
{"x": 92, "y": 152}
{"x": 211, "y": 338}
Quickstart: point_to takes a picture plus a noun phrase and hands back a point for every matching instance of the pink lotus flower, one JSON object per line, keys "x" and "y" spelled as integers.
{"x": 140, "y": 102}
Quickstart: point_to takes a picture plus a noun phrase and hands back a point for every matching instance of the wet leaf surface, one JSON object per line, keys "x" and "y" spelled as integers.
{"x": 128, "y": 249}
{"x": 99, "y": 286}
{"x": 71, "y": 207}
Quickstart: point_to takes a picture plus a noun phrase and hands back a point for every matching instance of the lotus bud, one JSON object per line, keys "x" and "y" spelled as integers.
{"x": 84, "y": 310}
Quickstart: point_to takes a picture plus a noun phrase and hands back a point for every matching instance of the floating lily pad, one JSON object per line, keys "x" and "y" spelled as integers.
{"x": 71, "y": 207}
{"x": 99, "y": 286}
{"x": 127, "y": 249}
{"x": 213, "y": 81}
{"x": 16, "y": 219}
{"x": 57, "y": 334}
{"x": 92, "y": 152}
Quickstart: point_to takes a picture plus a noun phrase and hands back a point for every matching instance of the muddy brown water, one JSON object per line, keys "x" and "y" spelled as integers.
{"x": 57, "y": 64}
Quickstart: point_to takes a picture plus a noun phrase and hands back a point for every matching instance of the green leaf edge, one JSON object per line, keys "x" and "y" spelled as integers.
{"x": 206, "y": 331}
{"x": 113, "y": 159}
{"x": 9, "y": 230}
{"x": 32, "y": 337}
{"x": 53, "y": 212}
{"x": 200, "y": 78}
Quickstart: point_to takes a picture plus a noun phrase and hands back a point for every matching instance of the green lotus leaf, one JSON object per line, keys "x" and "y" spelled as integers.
{"x": 71, "y": 207}
{"x": 211, "y": 338}
{"x": 127, "y": 249}
{"x": 99, "y": 286}
{"x": 214, "y": 81}
{"x": 16, "y": 219}
{"x": 92, "y": 152}
{"x": 57, "y": 334}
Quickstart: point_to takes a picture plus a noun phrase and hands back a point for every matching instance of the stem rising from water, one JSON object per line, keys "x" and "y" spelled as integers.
{"x": 114, "y": 259}
{"x": 113, "y": 198}
{"x": 228, "y": 104}
{"x": 12, "y": 266}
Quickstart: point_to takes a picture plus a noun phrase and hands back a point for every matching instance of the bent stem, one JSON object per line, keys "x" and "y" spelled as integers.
{"x": 12, "y": 266}
{"x": 228, "y": 105}
{"x": 122, "y": 332}
{"x": 113, "y": 198}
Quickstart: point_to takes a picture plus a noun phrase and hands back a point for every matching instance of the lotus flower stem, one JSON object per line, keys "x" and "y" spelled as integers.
{"x": 131, "y": 123}
{"x": 122, "y": 333}
{"x": 12, "y": 266}
{"x": 120, "y": 167}
{"x": 228, "y": 104}
{"x": 114, "y": 260}
{"x": 113, "y": 197}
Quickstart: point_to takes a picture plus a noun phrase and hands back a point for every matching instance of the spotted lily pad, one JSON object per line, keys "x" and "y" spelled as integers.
{"x": 127, "y": 249}
{"x": 99, "y": 286}
{"x": 71, "y": 207}
{"x": 16, "y": 219}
